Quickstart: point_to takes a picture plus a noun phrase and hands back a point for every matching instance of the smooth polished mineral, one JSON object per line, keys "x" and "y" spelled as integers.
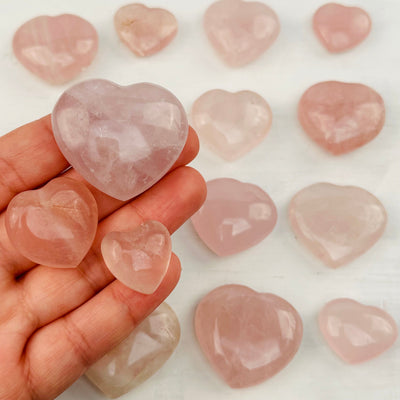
{"x": 56, "y": 48}
{"x": 121, "y": 139}
{"x": 336, "y": 223}
{"x": 54, "y": 225}
{"x": 139, "y": 356}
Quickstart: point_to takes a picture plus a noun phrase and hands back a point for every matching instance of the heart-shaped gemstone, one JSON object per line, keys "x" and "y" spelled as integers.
{"x": 139, "y": 258}
{"x": 247, "y": 336}
{"x": 121, "y": 139}
{"x": 145, "y": 30}
{"x": 339, "y": 27}
{"x": 240, "y": 31}
{"x": 340, "y": 116}
{"x": 57, "y": 48}
{"x": 337, "y": 223}
{"x": 356, "y": 332}
{"x": 234, "y": 217}
{"x": 54, "y": 225}
{"x": 231, "y": 124}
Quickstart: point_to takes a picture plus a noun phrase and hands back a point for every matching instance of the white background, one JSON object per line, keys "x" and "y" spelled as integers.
{"x": 283, "y": 164}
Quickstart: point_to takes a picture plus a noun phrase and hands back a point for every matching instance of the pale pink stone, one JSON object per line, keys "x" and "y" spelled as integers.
{"x": 337, "y": 223}
{"x": 340, "y": 28}
{"x": 121, "y": 139}
{"x": 234, "y": 217}
{"x": 340, "y": 116}
{"x": 54, "y": 225}
{"x": 247, "y": 336}
{"x": 139, "y": 258}
{"x": 57, "y": 48}
{"x": 355, "y": 332}
{"x": 145, "y": 30}
{"x": 231, "y": 124}
{"x": 240, "y": 31}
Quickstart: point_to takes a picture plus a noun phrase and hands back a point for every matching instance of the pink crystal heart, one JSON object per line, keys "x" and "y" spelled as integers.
{"x": 121, "y": 139}
{"x": 240, "y": 31}
{"x": 340, "y": 116}
{"x": 247, "y": 336}
{"x": 57, "y": 48}
{"x": 339, "y": 27}
{"x": 355, "y": 332}
{"x": 337, "y": 223}
{"x": 231, "y": 124}
{"x": 54, "y": 225}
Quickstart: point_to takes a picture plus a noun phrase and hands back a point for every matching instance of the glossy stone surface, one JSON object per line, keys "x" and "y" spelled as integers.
{"x": 240, "y": 31}
{"x": 121, "y": 139}
{"x": 234, "y": 217}
{"x": 247, "y": 336}
{"x": 56, "y": 48}
{"x": 231, "y": 124}
{"x": 339, "y": 27}
{"x": 54, "y": 225}
{"x": 355, "y": 332}
{"x": 341, "y": 117}
{"x": 337, "y": 223}
{"x": 145, "y": 30}
{"x": 139, "y": 356}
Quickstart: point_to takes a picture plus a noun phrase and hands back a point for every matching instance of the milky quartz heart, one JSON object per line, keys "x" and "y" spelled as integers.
{"x": 337, "y": 223}
{"x": 240, "y": 31}
{"x": 231, "y": 124}
{"x": 121, "y": 139}
{"x": 56, "y": 48}
{"x": 234, "y": 217}
{"x": 247, "y": 336}
{"x": 356, "y": 332}
{"x": 340, "y": 116}
{"x": 54, "y": 225}
{"x": 340, "y": 28}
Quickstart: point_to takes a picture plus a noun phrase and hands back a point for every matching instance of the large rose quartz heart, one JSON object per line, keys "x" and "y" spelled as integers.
{"x": 247, "y": 336}
{"x": 55, "y": 225}
{"x": 337, "y": 223}
{"x": 356, "y": 332}
{"x": 231, "y": 124}
{"x": 121, "y": 139}
{"x": 240, "y": 31}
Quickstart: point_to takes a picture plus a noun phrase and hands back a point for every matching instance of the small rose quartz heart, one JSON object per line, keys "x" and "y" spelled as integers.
{"x": 54, "y": 225}
{"x": 121, "y": 139}
{"x": 247, "y": 336}
{"x": 355, "y": 332}
{"x": 231, "y": 124}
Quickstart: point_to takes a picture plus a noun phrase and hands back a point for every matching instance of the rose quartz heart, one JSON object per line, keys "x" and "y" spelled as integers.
{"x": 145, "y": 30}
{"x": 355, "y": 332}
{"x": 57, "y": 48}
{"x": 340, "y": 116}
{"x": 247, "y": 336}
{"x": 240, "y": 31}
{"x": 340, "y": 28}
{"x": 231, "y": 124}
{"x": 54, "y": 225}
{"x": 121, "y": 139}
{"x": 337, "y": 223}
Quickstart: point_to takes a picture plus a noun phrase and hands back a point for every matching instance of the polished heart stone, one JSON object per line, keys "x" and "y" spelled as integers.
{"x": 355, "y": 332}
{"x": 234, "y": 217}
{"x": 247, "y": 336}
{"x": 139, "y": 356}
{"x": 340, "y": 116}
{"x": 56, "y": 48}
{"x": 337, "y": 223}
{"x": 54, "y": 225}
{"x": 240, "y": 31}
{"x": 121, "y": 139}
{"x": 231, "y": 124}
